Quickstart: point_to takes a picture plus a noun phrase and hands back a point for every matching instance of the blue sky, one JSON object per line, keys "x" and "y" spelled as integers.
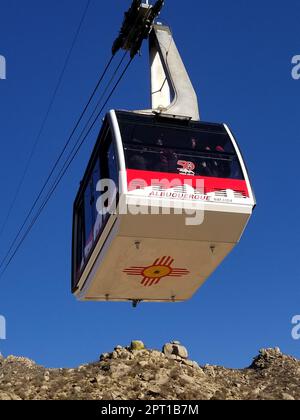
{"x": 238, "y": 54}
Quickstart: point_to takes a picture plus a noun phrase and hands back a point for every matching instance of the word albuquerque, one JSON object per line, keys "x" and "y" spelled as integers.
{"x": 181, "y": 196}
{"x": 2, "y": 68}
{"x": 296, "y": 68}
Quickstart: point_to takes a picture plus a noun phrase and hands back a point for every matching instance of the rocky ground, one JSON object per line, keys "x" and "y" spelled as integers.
{"x": 135, "y": 373}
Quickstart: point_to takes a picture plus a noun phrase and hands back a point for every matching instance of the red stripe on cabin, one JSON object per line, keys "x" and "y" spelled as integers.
{"x": 210, "y": 184}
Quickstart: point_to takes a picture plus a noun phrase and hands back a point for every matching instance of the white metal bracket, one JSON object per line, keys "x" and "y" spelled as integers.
{"x": 172, "y": 91}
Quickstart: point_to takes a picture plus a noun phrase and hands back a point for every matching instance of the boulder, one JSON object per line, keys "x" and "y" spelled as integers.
{"x": 171, "y": 349}
{"x": 137, "y": 345}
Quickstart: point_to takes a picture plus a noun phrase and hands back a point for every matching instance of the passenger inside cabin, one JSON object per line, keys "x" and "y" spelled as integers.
{"x": 167, "y": 158}
{"x": 137, "y": 159}
{"x": 223, "y": 164}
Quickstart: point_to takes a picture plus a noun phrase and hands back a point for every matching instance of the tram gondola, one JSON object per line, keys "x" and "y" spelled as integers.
{"x": 165, "y": 197}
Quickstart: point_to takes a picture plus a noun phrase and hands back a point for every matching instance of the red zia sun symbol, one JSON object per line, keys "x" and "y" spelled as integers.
{"x": 153, "y": 274}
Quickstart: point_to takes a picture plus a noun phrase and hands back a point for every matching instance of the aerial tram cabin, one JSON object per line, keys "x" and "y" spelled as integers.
{"x": 174, "y": 200}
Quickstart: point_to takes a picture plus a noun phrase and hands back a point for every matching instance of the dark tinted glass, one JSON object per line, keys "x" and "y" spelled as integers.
{"x": 87, "y": 217}
{"x": 180, "y": 162}
{"x": 80, "y": 234}
{"x": 199, "y": 149}
{"x": 175, "y": 138}
{"x": 90, "y": 223}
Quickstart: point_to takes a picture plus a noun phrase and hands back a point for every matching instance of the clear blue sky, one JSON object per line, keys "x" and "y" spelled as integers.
{"x": 239, "y": 56}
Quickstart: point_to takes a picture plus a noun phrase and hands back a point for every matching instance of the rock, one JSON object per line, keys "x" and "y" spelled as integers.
{"x": 186, "y": 379}
{"x": 191, "y": 364}
{"x": 266, "y": 357}
{"x": 9, "y": 397}
{"x": 137, "y": 345}
{"x": 104, "y": 356}
{"x": 119, "y": 369}
{"x": 147, "y": 376}
{"x": 170, "y": 349}
{"x": 188, "y": 363}
{"x": 210, "y": 371}
{"x": 154, "y": 389}
{"x": 143, "y": 363}
{"x": 270, "y": 353}
{"x": 123, "y": 354}
{"x": 99, "y": 379}
{"x": 5, "y": 397}
{"x": 287, "y": 397}
{"x": 47, "y": 376}
{"x": 22, "y": 360}
{"x": 181, "y": 352}
{"x": 162, "y": 378}
{"x": 157, "y": 354}
{"x": 114, "y": 355}
{"x": 171, "y": 356}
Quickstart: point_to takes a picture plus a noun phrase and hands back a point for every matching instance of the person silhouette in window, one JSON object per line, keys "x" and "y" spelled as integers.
{"x": 222, "y": 164}
{"x": 167, "y": 158}
{"x": 205, "y": 163}
{"x": 137, "y": 158}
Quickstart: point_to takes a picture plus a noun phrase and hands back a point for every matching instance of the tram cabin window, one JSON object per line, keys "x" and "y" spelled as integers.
{"x": 89, "y": 222}
{"x": 161, "y": 147}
